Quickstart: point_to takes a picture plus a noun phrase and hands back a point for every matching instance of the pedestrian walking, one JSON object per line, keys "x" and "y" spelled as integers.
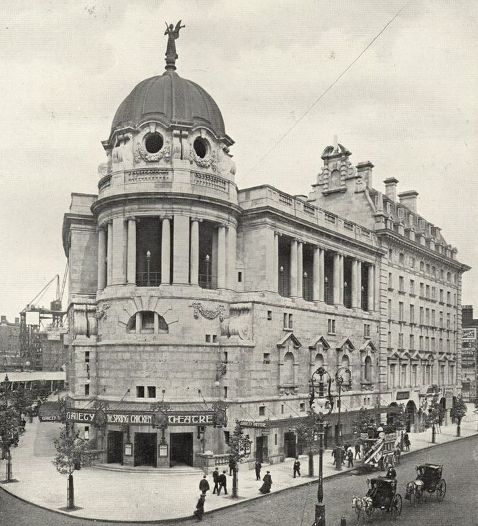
{"x": 406, "y": 442}
{"x": 357, "y": 450}
{"x": 397, "y": 452}
{"x": 296, "y": 467}
{"x": 199, "y": 512}
{"x": 222, "y": 483}
{"x": 215, "y": 478}
{"x": 267, "y": 483}
{"x": 204, "y": 485}
{"x": 258, "y": 467}
{"x": 350, "y": 458}
{"x": 232, "y": 465}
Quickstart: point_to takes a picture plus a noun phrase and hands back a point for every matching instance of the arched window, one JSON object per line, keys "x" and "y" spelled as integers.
{"x": 345, "y": 361}
{"x": 319, "y": 360}
{"x": 288, "y": 369}
{"x": 143, "y": 322}
{"x": 367, "y": 372}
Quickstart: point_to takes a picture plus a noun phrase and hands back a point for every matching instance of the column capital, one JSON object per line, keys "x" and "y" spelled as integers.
{"x": 196, "y": 219}
{"x": 130, "y": 218}
{"x": 169, "y": 217}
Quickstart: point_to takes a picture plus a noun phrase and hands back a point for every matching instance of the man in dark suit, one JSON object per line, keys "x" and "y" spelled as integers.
{"x": 204, "y": 485}
{"x": 215, "y": 478}
{"x": 296, "y": 467}
{"x": 222, "y": 483}
{"x": 257, "y": 467}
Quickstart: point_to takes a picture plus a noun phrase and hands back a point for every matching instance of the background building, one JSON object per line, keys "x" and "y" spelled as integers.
{"x": 185, "y": 292}
{"x": 10, "y": 344}
{"x": 469, "y": 353}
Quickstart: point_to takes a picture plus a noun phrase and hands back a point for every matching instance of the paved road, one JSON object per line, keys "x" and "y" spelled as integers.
{"x": 295, "y": 507}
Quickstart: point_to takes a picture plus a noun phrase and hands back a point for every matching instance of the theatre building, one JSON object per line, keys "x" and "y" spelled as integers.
{"x": 186, "y": 293}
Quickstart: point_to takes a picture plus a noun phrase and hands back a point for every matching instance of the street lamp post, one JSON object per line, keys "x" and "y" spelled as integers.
{"x": 321, "y": 404}
{"x": 340, "y": 380}
{"x": 207, "y": 271}
{"x": 148, "y": 266}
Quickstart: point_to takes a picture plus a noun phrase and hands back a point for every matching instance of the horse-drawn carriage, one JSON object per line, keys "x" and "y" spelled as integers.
{"x": 429, "y": 480}
{"x": 382, "y": 495}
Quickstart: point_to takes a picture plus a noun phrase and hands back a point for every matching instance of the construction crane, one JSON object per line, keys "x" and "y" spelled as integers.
{"x": 36, "y": 320}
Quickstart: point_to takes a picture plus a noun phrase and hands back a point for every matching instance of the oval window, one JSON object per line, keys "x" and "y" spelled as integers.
{"x": 200, "y": 147}
{"x": 153, "y": 142}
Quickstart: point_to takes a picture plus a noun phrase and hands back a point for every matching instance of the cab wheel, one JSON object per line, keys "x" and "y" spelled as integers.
{"x": 396, "y": 507}
{"x": 441, "y": 490}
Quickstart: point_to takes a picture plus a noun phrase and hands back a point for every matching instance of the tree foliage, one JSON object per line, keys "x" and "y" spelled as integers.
{"x": 72, "y": 452}
{"x": 459, "y": 409}
{"x": 239, "y": 445}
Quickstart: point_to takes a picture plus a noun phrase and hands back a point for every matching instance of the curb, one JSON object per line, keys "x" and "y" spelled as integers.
{"x": 233, "y": 504}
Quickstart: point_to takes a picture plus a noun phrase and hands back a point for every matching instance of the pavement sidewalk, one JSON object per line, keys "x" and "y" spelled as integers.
{"x": 156, "y": 495}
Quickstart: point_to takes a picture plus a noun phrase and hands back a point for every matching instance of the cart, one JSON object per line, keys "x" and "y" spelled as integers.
{"x": 382, "y": 495}
{"x": 429, "y": 480}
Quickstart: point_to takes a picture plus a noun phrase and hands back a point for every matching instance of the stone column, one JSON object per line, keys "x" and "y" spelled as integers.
{"x": 359, "y": 284}
{"x": 231, "y": 257}
{"x": 194, "y": 251}
{"x": 101, "y": 259}
{"x": 293, "y": 268}
{"x": 156, "y": 323}
{"x": 221, "y": 257}
{"x": 119, "y": 247}
{"x": 138, "y": 322}
{"x": 165, "y": 251}
{"x": 341, "y": 289}
{"x": 109, "y": 255}
{"x": 275, "y": 266}
{"x": 371, "y": 287}
{"x": 322, "y": 275}
{"x": 353, "y": 284}
{"x": 131, "y": 261}
{"x": 338, "y": 279}
{"x": 181, "y": 250}
{"x": 316, "y": 285}
{"x": 300, "y": 269}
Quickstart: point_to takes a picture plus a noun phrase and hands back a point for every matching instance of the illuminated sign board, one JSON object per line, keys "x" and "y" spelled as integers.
{"x": 469, "y": 334}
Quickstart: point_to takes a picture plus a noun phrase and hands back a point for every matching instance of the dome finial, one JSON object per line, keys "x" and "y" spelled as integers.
{"x": 173, "y": 35}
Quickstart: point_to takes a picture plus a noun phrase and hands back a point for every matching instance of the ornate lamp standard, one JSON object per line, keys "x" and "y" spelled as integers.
{"x": 148, "y": 266}
{"x": 321, "y": 404}
{"x": 207, "y": 259}
{"x": 342, "y": 376}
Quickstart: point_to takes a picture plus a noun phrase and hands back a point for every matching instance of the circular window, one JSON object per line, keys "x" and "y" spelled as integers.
{"x": 153, "y": 142}
{"x": 200, "y": 147}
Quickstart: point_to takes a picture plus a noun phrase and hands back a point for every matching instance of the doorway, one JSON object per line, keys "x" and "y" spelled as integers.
{"x": 290, "y": 446}
{"x": 115, "y": 447}
{"x": 181, "y": 449}
{"x": 262, "y": 449}
{"x": 145, "y": 449}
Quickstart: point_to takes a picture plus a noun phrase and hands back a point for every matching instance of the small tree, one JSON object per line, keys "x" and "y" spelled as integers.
{"x": 9, "y": 421}
{"x": 458, "y": 411}
{"x": 306, "y": 435}
{"x": 72, "y": 453}
{"x": 435, "y": 414}
{"x": 239, "y": 450}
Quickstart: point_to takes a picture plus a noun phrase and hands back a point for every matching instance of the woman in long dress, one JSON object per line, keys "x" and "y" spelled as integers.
{"x": 267, "y": 483}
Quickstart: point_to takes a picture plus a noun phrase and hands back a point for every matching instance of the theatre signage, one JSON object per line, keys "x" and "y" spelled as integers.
{"x": 175, "y": 418}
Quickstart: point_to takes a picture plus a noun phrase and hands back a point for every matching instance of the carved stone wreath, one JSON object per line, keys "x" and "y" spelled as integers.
{"x": 142, "y": 154}
{"x": 208, "y": 313}
{"x": 102, "y": 313}
{"x": 206, "y": 162}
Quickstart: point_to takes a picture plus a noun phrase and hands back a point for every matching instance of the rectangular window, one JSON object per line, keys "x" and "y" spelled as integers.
{"x": 266, "y": 358}
{"x": 433, "y": 271}
{"x": 282, "y": 409}
{"x": 441, "y": 295}
{"x": 140, "y": 391}
{"x": 331, "y": 326}
{"x": 262, "y": 410}
{"x": 422, "y": 266}
{"x": 427, "y": 293}
{"x": 428, "y": 268}
{"x": 389, "y": 340}
{"x": 414, "y": 375}
{"x": 412, "y": 313}
{"x": 208, "y": 338}
{"x": 448, "y": 348}
{"x": 427, "y": 316}
{"x": 290, "y": 321}
{"x": 412, "y": 342}
{"x": 302, "y": 407}
{"x": 448, "y": 320}
{"x": 433, "y": 344}
{"x": 390, "y": 280}
{"x": 448, "y": 297}
{"x": 214, "y": 338}
{"x": 392, "y": 376}
{"x": 227, "y": 437}
{"x": 151, "y": 391}
{"x": 403, "y": 376}
{"x": 401, "y": 258}
{"x": 420, "y": 343}
{"x": 400, "y": 311}
{"x": 434, "y": 290}
{"x": 87, "y": 356}
{"x": 275, "y": 439}
{"x": 366, "y": 330}
{"x": 412, "y": 261}
{"x": 422, "y": 310}
{"x": 412, "y": 286}
{"x": 226, "y": 357}
{"x": 87, "y": 389}
{"x": 400, "y": 340}
{"x": 433, "y": 317}
{"x": 286, "y": 318}
{"x": 389, "y": 309}
{"x": 422, "y": 290}
{"x": 440, "y": 345}
{"x": 269, "y": 315}
{"x": 225, "y": 391}
{"x": 401, "y": 284}
{"x": 427, "y": 343}
{"x": 239, "y": 277}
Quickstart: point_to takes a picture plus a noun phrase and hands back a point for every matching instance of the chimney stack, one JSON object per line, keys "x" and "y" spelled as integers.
{"x": 365, "y": 171}
{"x": 409, "y": 199}
{"x": 3, "y": 319}
{"x": 17, "y": 321}
{"x": 391, "y": 188}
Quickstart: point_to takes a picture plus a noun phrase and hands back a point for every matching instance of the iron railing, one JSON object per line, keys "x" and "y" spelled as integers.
{"x": 148, "y": 279}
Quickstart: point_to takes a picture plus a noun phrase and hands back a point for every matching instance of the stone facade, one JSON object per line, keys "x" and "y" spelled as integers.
{"x": 185, "y": 291}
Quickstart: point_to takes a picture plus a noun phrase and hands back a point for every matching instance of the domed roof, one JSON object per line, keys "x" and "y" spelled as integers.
{"x": 171, "y": 100}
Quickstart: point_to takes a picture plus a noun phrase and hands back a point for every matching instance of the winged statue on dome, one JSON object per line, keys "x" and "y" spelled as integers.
{"x": 173, "y": 35}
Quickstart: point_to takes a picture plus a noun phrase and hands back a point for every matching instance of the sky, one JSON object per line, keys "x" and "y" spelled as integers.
{"x": 409, "y": 104}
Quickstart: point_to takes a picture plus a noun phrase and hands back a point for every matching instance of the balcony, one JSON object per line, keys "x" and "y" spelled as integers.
{"x": 207, "y": 281}
{"x": 148, "y": 279}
